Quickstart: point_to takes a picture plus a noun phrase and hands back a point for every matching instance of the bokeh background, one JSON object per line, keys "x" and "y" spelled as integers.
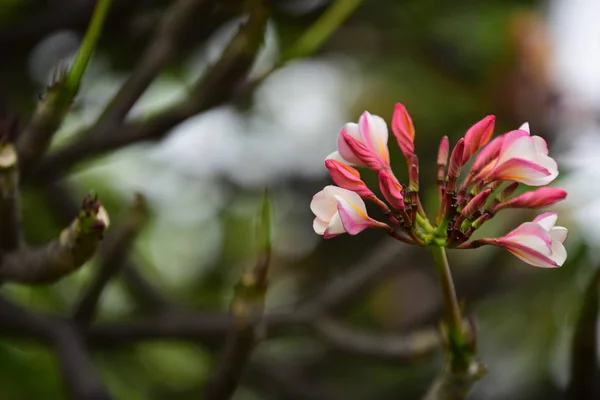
{"x": 450, "y": 63}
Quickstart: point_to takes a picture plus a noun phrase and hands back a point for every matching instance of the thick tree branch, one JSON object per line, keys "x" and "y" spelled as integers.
{"x": 75, "y": 245}
{"x": 112, "y": 255}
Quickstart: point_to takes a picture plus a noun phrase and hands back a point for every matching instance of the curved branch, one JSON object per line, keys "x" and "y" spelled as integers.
{"x": 75, "y": 245}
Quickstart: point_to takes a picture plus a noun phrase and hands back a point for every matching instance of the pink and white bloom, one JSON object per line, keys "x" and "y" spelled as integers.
{"x": 339, "y": 211}
{"x": 538, "y": 243}
{"x": 364, "y": 144}
{"x": 516, "y": 156}
{"x": 404, "y": 131}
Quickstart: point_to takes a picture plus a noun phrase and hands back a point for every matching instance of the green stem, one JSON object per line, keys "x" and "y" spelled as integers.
{"x": 452, "y": 312}
{"x": 424, "y": 223}
{"x": 88, "y": 45}
{"x": 463, "y": 369}
{"x": 322, "y": 29}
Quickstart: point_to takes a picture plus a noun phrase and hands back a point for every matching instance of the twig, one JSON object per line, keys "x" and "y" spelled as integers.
{"x": 10, "y": 215}
{"x": 37, "y": 135}
{"x": 78, "y": 372}
{"x": 249, "y": 300}
{"x": 145, "y": 293}
{"x": 158, "y": 53}
{"x": 113, "y": 253}
{"x": 379, "y": 262}
{"x": 393, "y": 347}
{"x": 218, "y": 85}
{"x": 75, "y": 245}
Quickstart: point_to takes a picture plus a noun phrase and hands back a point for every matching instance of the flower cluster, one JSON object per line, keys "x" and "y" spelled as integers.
{"x": 499, "y": 167}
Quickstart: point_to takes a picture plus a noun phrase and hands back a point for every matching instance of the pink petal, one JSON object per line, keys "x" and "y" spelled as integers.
{"x": 362, "y": 153}
{"x": 345, "y": 151}
{"x": 347, "y": 177}
{"x": 530, "y": 234}
{"x": 525, "y": 127}
{"x": 323, "y": 206}
{"x": 374, "y": 133}
{"x": 478, "y": 136}
{"x": 540, "y": 145}
{"x": 519, "y": 170}
{"x": 533, "y": 258}
{"x": 335, "y": 227}
{"x": 353, "y": 214}
{"x": 391, "y": 189}
{"x": 559, "y": 234}
{"x": 546, "y": 220}
{"x": 515, "y": 146}
{"x": 320, "y": 226}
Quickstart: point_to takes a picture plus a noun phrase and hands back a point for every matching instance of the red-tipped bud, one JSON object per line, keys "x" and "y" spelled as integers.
{"x": 541, "y": 197}
{"x": 478, "y": 136}
{"x": 347, "y": 177}
{"x": 443, "y": 151}
{"x": 413, "y": 174}
{"x": 476, "y": 203}
{"x": 442, "y": 158}
{"x": 404, "y": 131}
{"x": 456, "y": 159}
{"x": 362, "y": 153}
{"x": 391, "y": 189}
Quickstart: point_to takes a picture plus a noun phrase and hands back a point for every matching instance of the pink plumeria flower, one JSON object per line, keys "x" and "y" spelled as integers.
{"x": 518, "y": 157}
{"x": 339, "y": 211}
{"x": 364, "y": 144}
{"x": 538, "y": 243}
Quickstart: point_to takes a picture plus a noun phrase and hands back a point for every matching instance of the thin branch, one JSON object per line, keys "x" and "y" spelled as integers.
{"x": 80, "y": 377}
{"x": 75, "y": 245}
{"x": 78, "y": 372}
{"x": 248, "y": 300}
{"x": 10, "y": 214}
{"x": 113, "y": 253}
{"x": 37, "y": 135}
{"x": 393, "y": 347}
{"x": 160, "y": 50}
{"x": 381, "y": 261}
{"x": 148, "y": 296}
{"x": 218, "y": 85}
